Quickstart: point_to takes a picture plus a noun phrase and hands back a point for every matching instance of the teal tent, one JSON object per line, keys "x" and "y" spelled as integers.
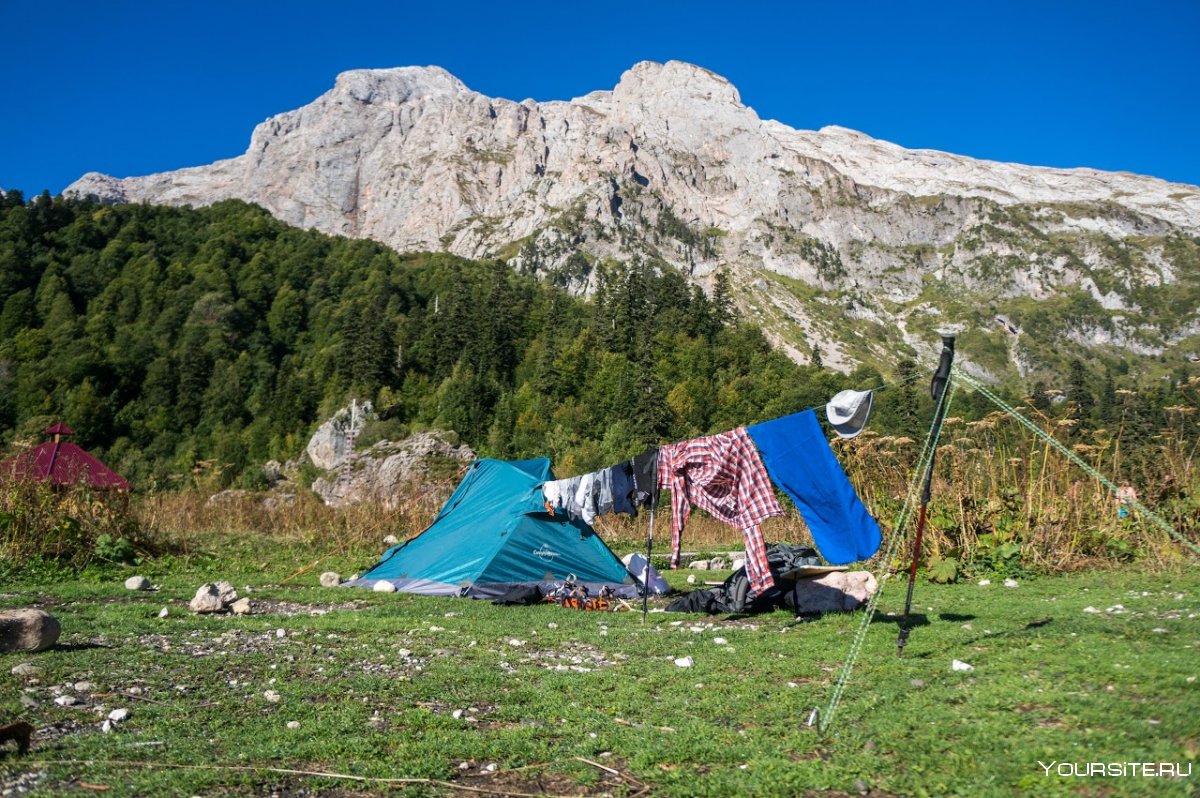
{"x": 494, "y": 533}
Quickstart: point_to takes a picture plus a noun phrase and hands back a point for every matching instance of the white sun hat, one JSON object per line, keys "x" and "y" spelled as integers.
{"x": 848, "y": 412}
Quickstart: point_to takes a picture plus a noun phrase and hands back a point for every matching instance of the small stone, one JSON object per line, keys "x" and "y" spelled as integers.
{"x": 1090, "y": 610}
{"x": 241, "y": 607}
{"x": 489, "y": 767}
{"x": 330, "y": 579}
{"x": 391, "y": 540}
{"x": 164, "y": 612}
{"x": 959, "y": 665}
{"x": 207, "y": 600}
{"x": 83, "y": 687}
{"x": 684, "y": 662}
{"x": 860, "y": 787}
{"x": 137, "y": 583}
{"x": 984, "y": 582}
{"x": 28, "y": 701}
{"x": 720, "y": 641}
{"x": 66, "y": 700}
{"x": 456, "y": 714}
{"x": 918, "y": 682}
{"x": 384, "y": 586}
{"x": 552, "y": 625}
{"x": 967, "y": 626}
{"x": 293, "y": 724}
{"x": 26, "y": 669}
{"x": 28, "y": 630}
{"x": 793, "y": 684}
{"x": 464, "y": 765}
{"x": 118, "y": 715}
{"x": 738, "y": 565}
{"x": 698, "y": 565}
{"x": 691, "y": 580}
{"x": 515, "y": 643}
{"x": 280, "y": 633}
{"x": 1011, "y": 583}
{"x": 106, "y": 726}
{"x": 272, "y": 696}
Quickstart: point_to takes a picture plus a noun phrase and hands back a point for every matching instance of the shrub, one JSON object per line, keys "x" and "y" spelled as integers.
{"x": 70, "y": 526}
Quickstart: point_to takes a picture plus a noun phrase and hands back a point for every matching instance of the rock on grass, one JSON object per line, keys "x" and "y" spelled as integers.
{"x": 28, "y": 630}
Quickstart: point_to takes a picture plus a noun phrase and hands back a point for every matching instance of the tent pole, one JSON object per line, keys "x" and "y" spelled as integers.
{"x": 937, "y": 389}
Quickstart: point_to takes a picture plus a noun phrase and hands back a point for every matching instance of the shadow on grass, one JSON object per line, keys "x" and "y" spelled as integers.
{"x": 914, "y": 619}
{"x": 77, "y": 646}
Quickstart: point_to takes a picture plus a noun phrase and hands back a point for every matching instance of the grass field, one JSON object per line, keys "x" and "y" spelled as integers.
{"x": 459, "y": 696}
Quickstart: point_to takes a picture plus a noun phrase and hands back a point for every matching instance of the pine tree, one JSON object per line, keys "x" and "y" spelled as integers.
{"x": 724, "y": 309}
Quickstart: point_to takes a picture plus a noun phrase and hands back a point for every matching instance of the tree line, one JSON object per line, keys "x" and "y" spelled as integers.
{"x": 172, "y": 338}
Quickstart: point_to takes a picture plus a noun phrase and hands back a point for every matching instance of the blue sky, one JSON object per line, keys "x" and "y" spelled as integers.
{"x": 132, "y": 88}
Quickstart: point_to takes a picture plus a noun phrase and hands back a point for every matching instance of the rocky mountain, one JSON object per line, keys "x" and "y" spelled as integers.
{"x": 837, "y": 242}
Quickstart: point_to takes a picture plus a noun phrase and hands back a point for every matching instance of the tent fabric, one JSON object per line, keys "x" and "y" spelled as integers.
{"x": 494, "y": 530}
{"x": 61, "y": 463}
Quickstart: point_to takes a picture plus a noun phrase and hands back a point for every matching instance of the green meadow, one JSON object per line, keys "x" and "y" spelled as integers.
{"x": 390, "y": 694}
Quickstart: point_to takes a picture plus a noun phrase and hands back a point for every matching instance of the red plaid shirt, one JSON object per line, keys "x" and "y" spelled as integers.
{"x": 723, "y": 475}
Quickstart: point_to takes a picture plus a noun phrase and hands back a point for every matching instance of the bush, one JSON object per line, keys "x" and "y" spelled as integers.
{"x": 69, "y": 526}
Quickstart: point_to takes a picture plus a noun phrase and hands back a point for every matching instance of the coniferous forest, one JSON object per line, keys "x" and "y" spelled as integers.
{"x": 172, "y": 338}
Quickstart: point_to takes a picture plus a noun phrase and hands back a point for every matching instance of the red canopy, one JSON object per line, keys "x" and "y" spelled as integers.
{"x": 61, "y": 463}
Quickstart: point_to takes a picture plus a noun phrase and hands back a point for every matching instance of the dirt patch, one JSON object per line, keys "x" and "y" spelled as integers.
{"x": 538, "y": 781}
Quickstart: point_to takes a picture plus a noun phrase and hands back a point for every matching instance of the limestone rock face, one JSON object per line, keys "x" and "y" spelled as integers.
{"x": 28, "y": 630}
{"x": 333, "y": 442}
{"x": 816, "y": 227}
{"x": 380, "y": 472}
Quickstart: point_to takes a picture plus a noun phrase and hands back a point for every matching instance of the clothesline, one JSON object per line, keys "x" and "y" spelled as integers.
{"x": 877, "y": 389}
{"x": 729, "y": 474}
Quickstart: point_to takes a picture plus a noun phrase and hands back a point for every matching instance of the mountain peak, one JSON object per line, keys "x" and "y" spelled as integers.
{"x": 829, "y": 235}
{"x": 398, "y": 84}
{"x": 648, "y": 80}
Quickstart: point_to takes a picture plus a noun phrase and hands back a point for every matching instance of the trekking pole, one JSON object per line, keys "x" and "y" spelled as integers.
{"x": 937, "y": 388}
{"x": 649, "y": 549}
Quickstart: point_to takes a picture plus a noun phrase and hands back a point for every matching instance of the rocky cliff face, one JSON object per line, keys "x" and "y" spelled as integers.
{"x": 839, "y": 242}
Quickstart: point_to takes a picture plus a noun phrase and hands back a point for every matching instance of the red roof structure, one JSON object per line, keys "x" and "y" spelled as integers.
{"x": 61, "y": 462}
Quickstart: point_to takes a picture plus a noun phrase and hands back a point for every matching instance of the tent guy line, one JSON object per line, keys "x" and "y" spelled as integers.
{"x": 824, "y": 721}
